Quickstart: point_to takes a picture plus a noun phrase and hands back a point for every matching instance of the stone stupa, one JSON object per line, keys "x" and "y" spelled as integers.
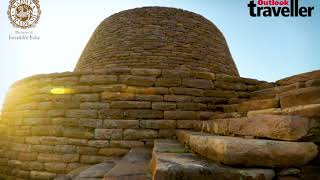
{"x": 157, "y": 95}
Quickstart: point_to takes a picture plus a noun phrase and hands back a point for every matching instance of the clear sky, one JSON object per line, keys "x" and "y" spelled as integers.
{"x": 263, "y": 48}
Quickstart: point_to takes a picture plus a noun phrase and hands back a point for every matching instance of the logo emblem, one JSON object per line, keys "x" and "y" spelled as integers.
{"x": 24, "y": 13}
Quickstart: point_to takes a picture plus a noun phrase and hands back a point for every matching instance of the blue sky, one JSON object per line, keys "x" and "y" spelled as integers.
{"x": 263, "y": 48}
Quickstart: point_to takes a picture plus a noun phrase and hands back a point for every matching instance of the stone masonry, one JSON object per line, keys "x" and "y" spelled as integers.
{"x": 154, "y": 73}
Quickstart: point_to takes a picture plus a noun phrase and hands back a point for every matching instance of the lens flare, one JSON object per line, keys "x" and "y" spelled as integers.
{"x": 62, "y": 91}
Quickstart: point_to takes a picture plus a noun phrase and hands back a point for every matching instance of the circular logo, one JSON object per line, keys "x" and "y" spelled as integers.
{"x": 24, "y": 13}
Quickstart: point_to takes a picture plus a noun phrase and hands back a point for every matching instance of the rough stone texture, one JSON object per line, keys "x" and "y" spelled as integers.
{"x": 172, "y": 161}
{"x": 301, "y": 96}
{"x": 136, "y": 82}
{"x": 167, "y": 33}
{"x": 289, "y": 128}
{"x": 96, "y": 171}
{"x": 133, "y": 166}
{"x": 258, "y": 104}
{"x": 249, "y": 152}
{"x": 299, "y": 78}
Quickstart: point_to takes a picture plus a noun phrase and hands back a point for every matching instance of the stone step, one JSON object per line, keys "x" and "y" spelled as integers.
{"x": 258, "y": 104}
{"x": 172, "y": 161}
{"x": 133, "y": 166}
{"x": 94, "y": 172}
{"x": 282, "y": 127}
{"x": 248, "y": 152}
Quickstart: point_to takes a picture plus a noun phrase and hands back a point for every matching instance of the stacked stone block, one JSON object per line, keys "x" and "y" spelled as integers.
{"x": 158, "y": 37}
{"x": 102, "y": 114}
{"x": 145, "y": 73}
{"x": 277, "y": 127}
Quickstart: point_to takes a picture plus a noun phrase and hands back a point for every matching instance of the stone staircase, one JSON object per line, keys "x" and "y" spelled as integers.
{"x": 256, "y": 147}
{"x": 172, "y": 161}
{"x": 133, "y": 166}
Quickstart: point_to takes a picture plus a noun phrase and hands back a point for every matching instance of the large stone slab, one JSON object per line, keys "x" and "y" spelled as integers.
{"x": 303, "y": 96}
{"x": 289, "y": 128}
{"x": 258, "y": 104}
{"x": 133, "y": 166}
{"x": 249, "y": 152}
{"x": 171, "y": 161}
{"x": 96, "y": 171}
{"x": 299, "y": 78}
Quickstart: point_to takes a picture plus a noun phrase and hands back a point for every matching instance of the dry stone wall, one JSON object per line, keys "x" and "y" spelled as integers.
{"x": 57, "y": 122}
{"x": 158, "y": 37}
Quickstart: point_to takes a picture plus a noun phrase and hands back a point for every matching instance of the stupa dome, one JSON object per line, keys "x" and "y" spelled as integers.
{"x": 158, "y": 37}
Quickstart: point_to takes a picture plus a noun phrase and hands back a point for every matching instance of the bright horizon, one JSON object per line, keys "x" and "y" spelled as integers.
{"x": 262, "y": 48}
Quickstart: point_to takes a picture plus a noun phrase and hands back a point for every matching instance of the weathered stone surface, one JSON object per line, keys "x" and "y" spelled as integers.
{"x": 163, "y": 105}
{"x": 126, "y": 143}
{"x": 64, "y": 149}
{"x": 94, "y": 105}
{"x": 96, "y": 171}
{"x": 289, "y": 128}
{"x": 299, "y": 78}
{"x": 301, "y": 96}
{"x": 175, "y": 73}
{"x": 221, "y": 93}
{"x": 111, "y": 114}
{"x": 313, "y": 82}
{"x": 86, "y": 97}
{"x": 46, "y": 130}
{"x": 65, "y": 81}
{"x": 42, "y": 175}
{"x": 276, "y": 111}
{"x": 135, "y": 134}
{"x": 72, "y": 122}
{"x": 137, "y": 80}
{"x": 263, "y": 94}
{"x": 249, "y": 152}
{"x": 203, "y": 75}
{"x": 90, "y": 159}
{"x": 87, "y": 150}
{"x": 172, "y": 161}
{"x": 99, "y": 143}
{"x": 143, "y": 114}
{"x": 108, "y": 134}
{"x": 230, "y": 86}
{"x": 98, "y": 79}
{"x": 311, "y": 110}
{"x": 130, "y": 105}
{"x": 113, "y": 152}
{"x": 185, "y": 124}
{"x": 177, "y": 98}
{"x": 27, "y": 156}
{"x": 191, "y": 106}
{"x": 158, "y": 124}
{"x": 258, "y": 104}
{"x": 117, "y": 96}
{"x": 77, "y": 113}
{"x": 197, "y": 83}
{"x": 94, "y": 123}
{"x": 55, "y": 167}
{"x": 32, "y": 165}
{"x": 36, "y": 121}
{"x": 79, "y": 133}
{"x": 186, "y": 91}
{"x": 134, "y": 165}
{"x": 153, "y": 98}
{"x": 183, "y": 115}
{"x": 120, "y": 124}
{"x": 168, "y": 82}
{"x": 147, "y": 90}
{"x": 146, "y": 72}
{"x": 109, "y": 88}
